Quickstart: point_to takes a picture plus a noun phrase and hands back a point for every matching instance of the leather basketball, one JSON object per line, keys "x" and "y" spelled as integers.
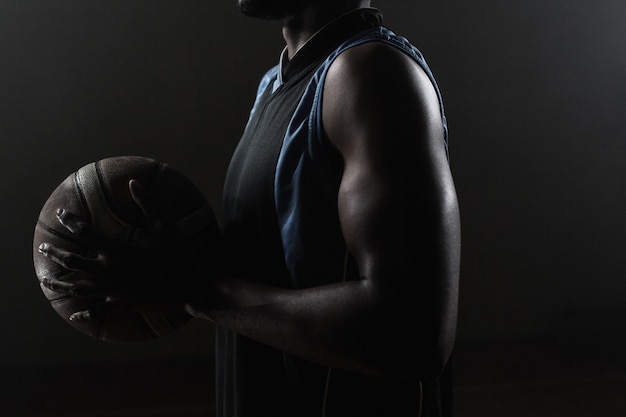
{"x": 98, "y": 193}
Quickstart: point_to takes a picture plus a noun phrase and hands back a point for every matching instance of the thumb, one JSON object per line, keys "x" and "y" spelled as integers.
{"x": 144, "y": 200}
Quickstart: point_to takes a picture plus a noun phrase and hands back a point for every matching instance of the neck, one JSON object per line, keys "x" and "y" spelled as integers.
{"x": 300, "y": 28}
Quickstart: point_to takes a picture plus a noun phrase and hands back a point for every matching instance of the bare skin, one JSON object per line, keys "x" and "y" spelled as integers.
{"x": 399, "y": 216}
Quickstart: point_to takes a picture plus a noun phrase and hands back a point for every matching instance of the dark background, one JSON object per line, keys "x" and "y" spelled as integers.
{"x": 535, "y": 93}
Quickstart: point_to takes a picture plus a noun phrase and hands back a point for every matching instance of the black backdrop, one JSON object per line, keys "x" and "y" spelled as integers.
{"x": 535, "y": 93}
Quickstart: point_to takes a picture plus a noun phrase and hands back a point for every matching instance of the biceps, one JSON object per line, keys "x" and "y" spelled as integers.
{"x": 401, "y": 222}
{"x": 374, "y": 221}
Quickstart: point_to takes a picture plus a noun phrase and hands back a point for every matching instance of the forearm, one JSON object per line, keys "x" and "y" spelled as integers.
{"x": 344, "y": 325}
{"x": 300, "y": 322}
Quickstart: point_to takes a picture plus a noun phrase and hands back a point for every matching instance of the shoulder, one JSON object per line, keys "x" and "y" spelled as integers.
{"x": 377, "y": 83}
{"x": 375, "y": 52}
{"x": 381, "y": 62}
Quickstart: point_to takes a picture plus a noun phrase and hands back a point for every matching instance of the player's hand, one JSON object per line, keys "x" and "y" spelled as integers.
{"x": 134, "y": 274}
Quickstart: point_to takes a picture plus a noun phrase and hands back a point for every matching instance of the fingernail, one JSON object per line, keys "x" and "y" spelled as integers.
{"x": 80, "y": 316}
{"x": 43, "y": 248}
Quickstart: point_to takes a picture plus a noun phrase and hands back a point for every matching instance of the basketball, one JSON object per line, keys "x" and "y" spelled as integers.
{"x": 99, "y": 194}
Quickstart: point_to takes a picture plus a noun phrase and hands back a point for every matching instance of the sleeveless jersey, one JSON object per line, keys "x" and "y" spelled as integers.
{"x": 281, "y": 227}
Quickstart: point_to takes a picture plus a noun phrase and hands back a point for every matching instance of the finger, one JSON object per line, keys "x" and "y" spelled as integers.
{"x": 55, "y": 285}
{"x": 70, "y": 260}
{"x": 145, "y": 201}
{"x": 82, "y": 316}
{"x": 96, "y": 312}
{"x": 77, "y": 289}
{"x": 78, "y": 227}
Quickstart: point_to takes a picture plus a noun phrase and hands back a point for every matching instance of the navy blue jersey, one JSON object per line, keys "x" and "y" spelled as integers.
{"x": 281, "y": 227}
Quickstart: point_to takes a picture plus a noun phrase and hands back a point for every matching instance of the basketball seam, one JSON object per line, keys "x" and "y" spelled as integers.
{"x": 82, "y": 198}
{"x": 106, "y": 191}
{"x": 155, "y": 172}
{"x": 58, "y": 274}
{"x": 104, "y": 186}
{"x": 60, "y": 299}
{"x": 56, "y": 233}
{"x": 85, "y": 207}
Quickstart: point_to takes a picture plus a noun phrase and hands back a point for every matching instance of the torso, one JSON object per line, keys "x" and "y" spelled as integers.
{"x": 281, "y": 227}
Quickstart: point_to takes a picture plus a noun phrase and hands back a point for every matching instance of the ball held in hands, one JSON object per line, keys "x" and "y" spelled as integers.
{"x": 100, "y": 235}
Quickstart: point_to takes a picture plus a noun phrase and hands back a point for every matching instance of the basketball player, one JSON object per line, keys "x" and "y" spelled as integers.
{"x": 341, "y": 229}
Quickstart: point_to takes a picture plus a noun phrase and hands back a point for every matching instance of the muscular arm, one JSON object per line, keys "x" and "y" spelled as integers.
{"x": 399, "y": 216}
